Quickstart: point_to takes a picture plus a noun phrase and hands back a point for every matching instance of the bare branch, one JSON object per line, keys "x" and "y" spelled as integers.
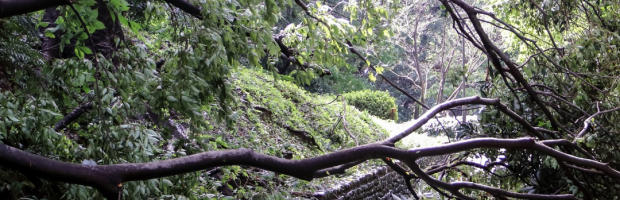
{"x": 454, "y": 187}
{"x": 344, "y": 121}
{"x": 72, "y": 116}
{"x": 340, "y": 169}
{"x": 586, "y": 122}
{"x": 403, "y": 172}
{"x": 585, "y": 170}
{"x": 352, "y": 49}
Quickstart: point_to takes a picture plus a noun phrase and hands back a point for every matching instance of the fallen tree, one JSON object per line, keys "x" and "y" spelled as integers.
{"x": 108, "y": 179}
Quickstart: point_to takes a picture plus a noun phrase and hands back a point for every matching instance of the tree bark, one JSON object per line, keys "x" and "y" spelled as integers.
{"x": 416, "y": 63}
{"x": 108, "y": 179}
{"x": 72, "y": 116}
{"x": 10, "y": 8}
{"x": 50, "y": 47}
{"x": 443, "y": 69}
{"x": 463, "y": 111}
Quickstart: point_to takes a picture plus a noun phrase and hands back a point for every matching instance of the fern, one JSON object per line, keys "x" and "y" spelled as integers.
{"x": 18, "y": 60}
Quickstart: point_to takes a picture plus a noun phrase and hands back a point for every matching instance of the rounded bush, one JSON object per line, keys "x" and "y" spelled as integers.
{"x": 377, "y": 103}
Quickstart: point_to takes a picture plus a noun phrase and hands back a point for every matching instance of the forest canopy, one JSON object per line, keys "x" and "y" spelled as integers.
{"x": 246, "y": 99}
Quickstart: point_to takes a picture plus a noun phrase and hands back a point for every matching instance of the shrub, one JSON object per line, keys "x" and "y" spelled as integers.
{"x": 377, "y": 103}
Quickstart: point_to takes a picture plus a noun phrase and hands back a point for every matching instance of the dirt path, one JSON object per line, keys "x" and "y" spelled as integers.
{"x": 419, "y": 138}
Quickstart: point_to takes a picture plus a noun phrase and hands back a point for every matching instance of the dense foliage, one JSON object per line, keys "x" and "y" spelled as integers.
{"x": 342, "y": 80}
{"x": 161, "y": 87}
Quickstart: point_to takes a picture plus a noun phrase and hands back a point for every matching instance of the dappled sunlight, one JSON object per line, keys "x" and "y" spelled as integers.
{"x": 422, "y": 137}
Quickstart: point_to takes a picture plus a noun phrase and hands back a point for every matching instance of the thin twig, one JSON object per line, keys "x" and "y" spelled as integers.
{"x": 97, "y": 65}
{"x": 344, "y": 121}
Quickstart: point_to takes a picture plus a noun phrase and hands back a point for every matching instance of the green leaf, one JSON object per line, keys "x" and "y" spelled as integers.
{"x": 99, "y": 25}
{"x": 171, "y": 99}
{"x": 12, "y": 118}
{"x": 82, "y": 194}
{"x": 79, "y": 53}
{"x": 86, "y": 88}
{"x": 135, "y": 27}
{"x": 167, "y": 182}
{"x": 83, "y": 36}
{"x": 43, "y": 24}
{"x": 123, "y": 20}
{"x": 50, "y": 112}
{"x": 85, "y": 49}
{"x": 81, "y": 79}
{"x": 53, "y": 29}
{"x": 49, "y": 34}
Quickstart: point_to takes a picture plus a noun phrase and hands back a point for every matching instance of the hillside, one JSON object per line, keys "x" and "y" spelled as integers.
{"x": 281, "y": 119}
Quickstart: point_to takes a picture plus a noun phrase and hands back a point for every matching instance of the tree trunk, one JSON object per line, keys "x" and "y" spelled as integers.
{"x": 463, "y": 112}
{"x": 443, "y": 69}
{"x": 50, "y": 47}
{"x": 416, "y": 63}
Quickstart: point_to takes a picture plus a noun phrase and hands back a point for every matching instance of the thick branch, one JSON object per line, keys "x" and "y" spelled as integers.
{"x": 106, "y": 178}
{"x": 72, "y": 116}
{"x": 186, "y": 7}
{"x": 340, "y": 169}
{"x": 19, "y": 7}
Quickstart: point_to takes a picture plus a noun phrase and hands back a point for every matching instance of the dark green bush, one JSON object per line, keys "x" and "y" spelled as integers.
{"x": 377, "y": 103}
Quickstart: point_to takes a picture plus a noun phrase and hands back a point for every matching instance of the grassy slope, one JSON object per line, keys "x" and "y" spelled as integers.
{"x": 265, "y": 107}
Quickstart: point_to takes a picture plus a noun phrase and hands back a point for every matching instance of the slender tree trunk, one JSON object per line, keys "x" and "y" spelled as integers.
{"x": 443, "y": 69}
{"x": 463, "y": 112}
{"x": 456, "y": 92}
{"x": 50, "y": 47}
{"x": 442, "y": 82}
{"x": 424, "y": 80}
{"x": 416, "y": 63}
